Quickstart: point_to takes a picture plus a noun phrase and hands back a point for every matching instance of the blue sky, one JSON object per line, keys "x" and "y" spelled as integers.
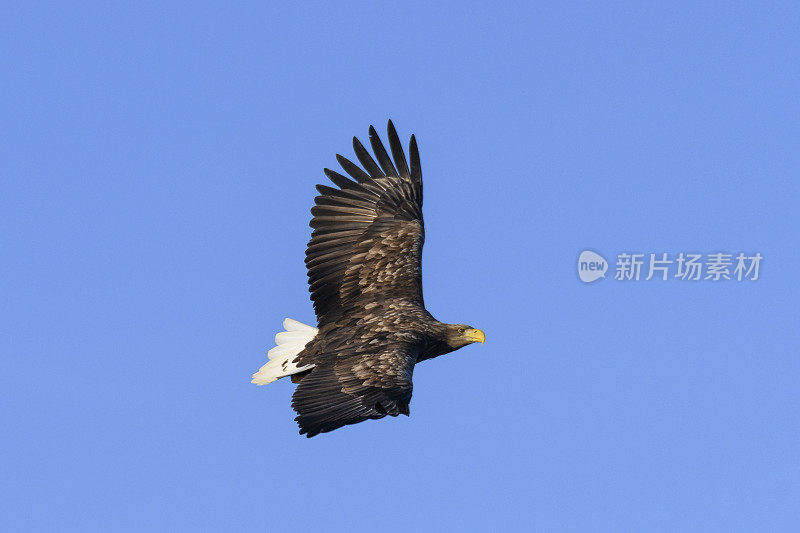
{"x": 159, "y": 162}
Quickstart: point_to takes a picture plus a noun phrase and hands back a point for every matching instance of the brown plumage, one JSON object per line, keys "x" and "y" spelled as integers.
{"x": 364, "y": 265}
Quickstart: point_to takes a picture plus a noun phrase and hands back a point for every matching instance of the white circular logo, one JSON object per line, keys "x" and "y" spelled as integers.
{"x": 591, "y": 266}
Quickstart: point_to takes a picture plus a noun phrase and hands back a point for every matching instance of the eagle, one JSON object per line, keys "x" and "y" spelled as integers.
{"x": 364, "y": 265}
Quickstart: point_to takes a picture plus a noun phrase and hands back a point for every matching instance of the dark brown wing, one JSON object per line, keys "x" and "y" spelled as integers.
{"x": 365, "y": 382}
{"x": 368, "y": 233}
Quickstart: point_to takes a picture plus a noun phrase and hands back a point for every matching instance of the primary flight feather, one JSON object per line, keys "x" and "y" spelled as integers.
{"x": 364, "y": 265}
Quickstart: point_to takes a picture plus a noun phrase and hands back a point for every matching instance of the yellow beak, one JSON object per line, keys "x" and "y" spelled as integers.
{"x": 476, "y": 335}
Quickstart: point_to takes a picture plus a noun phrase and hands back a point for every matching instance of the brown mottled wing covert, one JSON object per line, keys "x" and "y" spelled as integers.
{"x": 368, "y": 234}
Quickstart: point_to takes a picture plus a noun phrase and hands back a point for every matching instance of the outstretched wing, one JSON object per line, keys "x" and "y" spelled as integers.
{"x": 368, "y": 233}
{"x": 366, "y": 382}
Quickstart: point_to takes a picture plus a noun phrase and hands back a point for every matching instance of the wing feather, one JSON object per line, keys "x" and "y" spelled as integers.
{"x": 352, "y": 169}
{"x": 338, "y": 179}
{"x": 363, "y": 383}
{"x": 366, "y": 160}
{"x": 380, "y": 152}
{"x": 368, "y": 233}
{"x": 397, "y": 152}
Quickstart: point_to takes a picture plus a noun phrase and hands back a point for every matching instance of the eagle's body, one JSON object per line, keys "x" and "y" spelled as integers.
{"x": 364, "y": 265}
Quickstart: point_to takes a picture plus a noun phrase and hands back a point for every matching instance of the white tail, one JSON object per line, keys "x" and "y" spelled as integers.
{"x": 281, "y": 358}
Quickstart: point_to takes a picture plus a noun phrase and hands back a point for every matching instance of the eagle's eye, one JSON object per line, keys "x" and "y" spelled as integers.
{"x": 460, "y": 331}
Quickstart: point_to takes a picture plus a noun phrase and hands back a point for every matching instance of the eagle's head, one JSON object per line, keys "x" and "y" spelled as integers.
{"x": 459, "y": 335}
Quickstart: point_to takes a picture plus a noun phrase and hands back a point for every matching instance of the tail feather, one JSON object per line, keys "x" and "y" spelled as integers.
{"x": 286, "y": 337}
{"x": 293, "y": 325}
{"x": 281, "y": 358}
